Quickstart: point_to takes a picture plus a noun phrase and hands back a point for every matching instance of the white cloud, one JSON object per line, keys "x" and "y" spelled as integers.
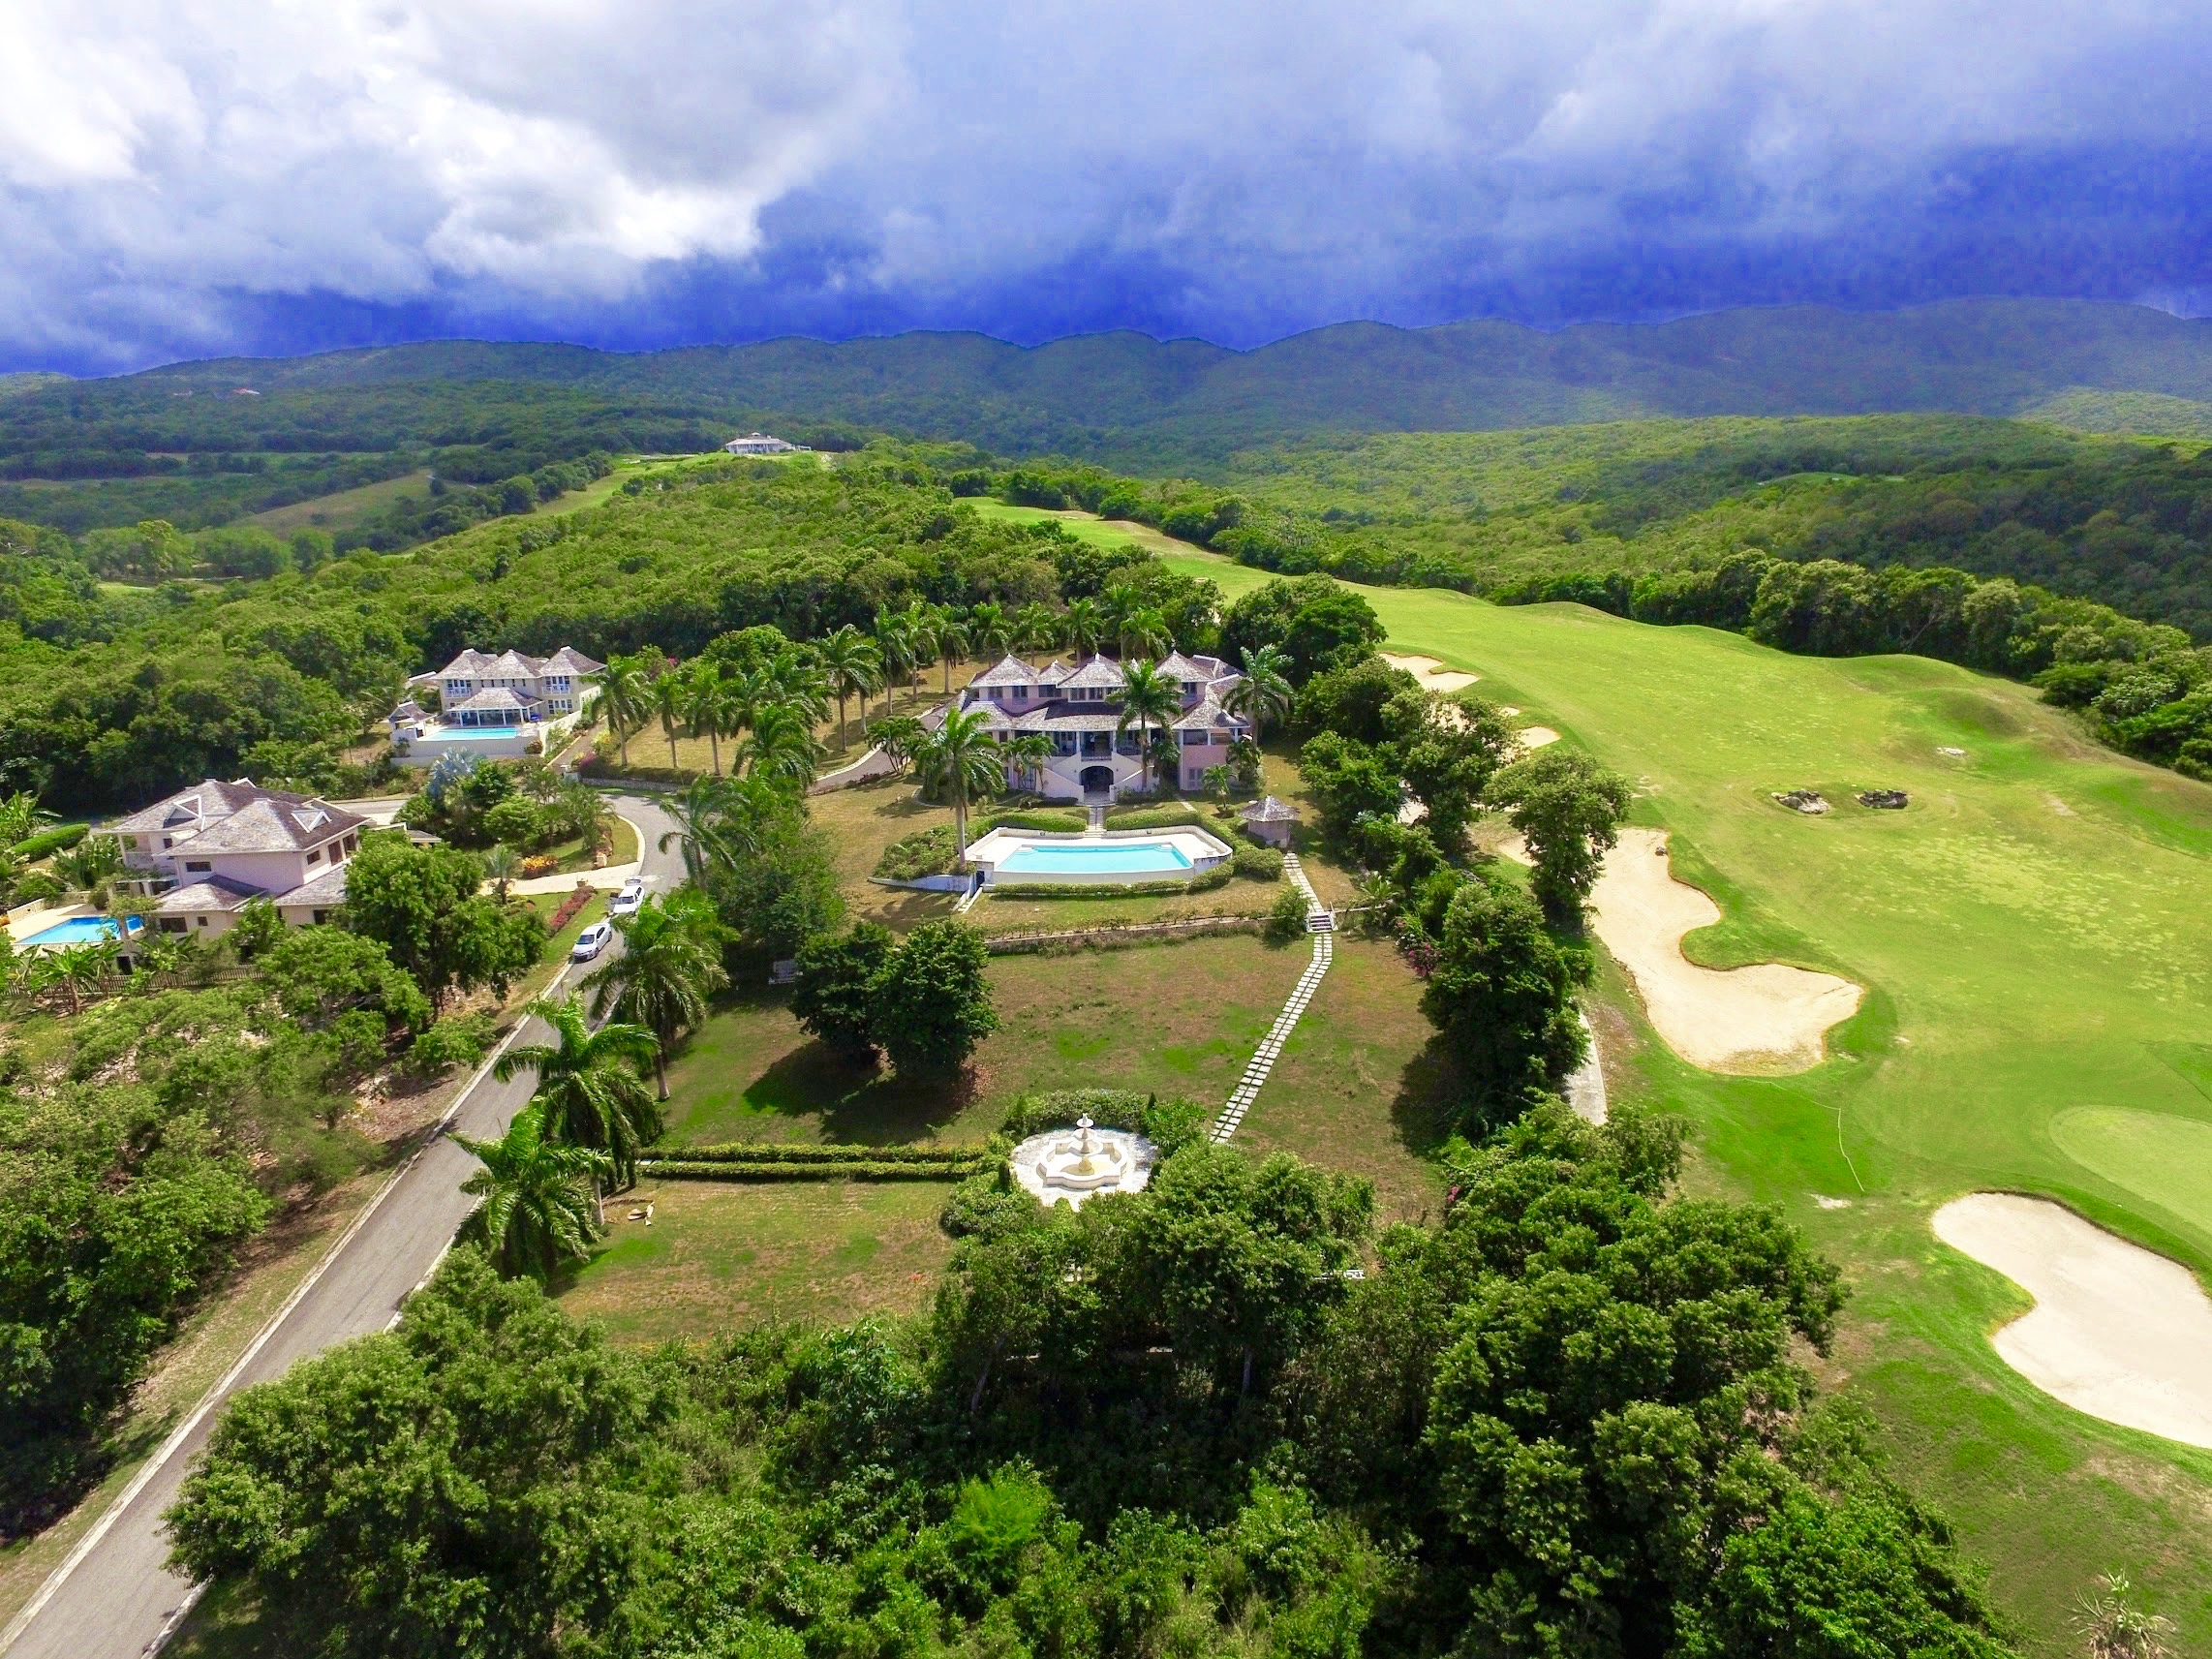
{"x": 1287, "y": 160}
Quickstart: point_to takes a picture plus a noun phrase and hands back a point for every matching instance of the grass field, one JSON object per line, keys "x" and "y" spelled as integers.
{"x": 345, "y": 508}
{"x": 2036, "y": 937}
{"x": 719, "y": 1255}
{"x": 1175, "y": 1018}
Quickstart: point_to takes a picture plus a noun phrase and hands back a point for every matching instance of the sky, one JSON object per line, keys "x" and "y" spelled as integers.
{"x": 184, "y": 179}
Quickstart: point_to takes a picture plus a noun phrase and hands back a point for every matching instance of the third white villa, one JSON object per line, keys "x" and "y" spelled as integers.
{"x": 1079, "y": 707}
{"x": 495, "y": 707}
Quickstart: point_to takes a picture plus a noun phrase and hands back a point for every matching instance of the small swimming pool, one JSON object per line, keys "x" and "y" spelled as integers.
{"x": 1096, "y": 858}
{"x": 79, "y": 928}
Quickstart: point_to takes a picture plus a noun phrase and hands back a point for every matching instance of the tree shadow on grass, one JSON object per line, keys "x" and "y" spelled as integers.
{"x": 861, "y": 1105}
{"x": 1428, "y": 1105}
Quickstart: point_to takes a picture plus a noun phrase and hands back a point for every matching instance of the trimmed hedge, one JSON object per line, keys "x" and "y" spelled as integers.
{"x": 856, "y": 1169}
{"x": 1254, "y": 862}
{"x": 59, "y": 839}
{"x": 1167, "y": 1124}
{"x": 1047, "y": 820}
{"x": 808, "y": 1152}
{"x": 1154, "y": 818}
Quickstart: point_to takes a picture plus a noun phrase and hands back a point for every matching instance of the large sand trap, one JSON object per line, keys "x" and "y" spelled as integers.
{"x": 1432, "y": 674}
{"x": 2116, "y": 1332}
{"x": 1756, "y": 1021}
{"x": 1536, "y": 736}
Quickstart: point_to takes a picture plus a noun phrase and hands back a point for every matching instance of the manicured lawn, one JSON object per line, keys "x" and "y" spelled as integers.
{"x": 1357, "y": 1087}
{"x": 1178, "y": 1019}
{"x": 862, "y": 820}
{"x": 719, "y": 1257}
{"x": 2036, "y": 937}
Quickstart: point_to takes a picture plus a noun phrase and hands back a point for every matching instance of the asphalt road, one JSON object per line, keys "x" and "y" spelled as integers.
{"x": 113, "y": 1598}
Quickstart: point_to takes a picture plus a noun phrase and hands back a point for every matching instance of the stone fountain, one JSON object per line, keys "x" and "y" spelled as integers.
{"x": 1074, "y": 1165}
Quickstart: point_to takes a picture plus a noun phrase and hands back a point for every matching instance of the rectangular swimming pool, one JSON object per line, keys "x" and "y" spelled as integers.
{"x": 1096, "y": 858}
{"x": 79, "y": 928}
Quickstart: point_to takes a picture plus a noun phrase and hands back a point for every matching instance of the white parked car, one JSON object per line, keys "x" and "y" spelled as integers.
{"x": 592, "y": 940}
{"x": 627, "y": 901}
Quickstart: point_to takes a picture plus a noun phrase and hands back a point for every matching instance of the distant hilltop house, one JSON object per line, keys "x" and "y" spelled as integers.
{"x": 761, "y": 443}
{"x": 208, "y": 851}
{"x": 1079, "y": 706}
{"x": 495, "y": 707}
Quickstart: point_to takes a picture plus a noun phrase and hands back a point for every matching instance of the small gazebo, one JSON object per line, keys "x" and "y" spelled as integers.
{"x": 1270, "y": 820}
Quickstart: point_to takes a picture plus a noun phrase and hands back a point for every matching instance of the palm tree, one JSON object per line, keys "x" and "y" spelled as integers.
{"x": 541, "y": 1197}
{"x": 952, "y": 644}
{"x": 82, "y": 970}
{"x": 91, "y": 861}
{"x": 1140, "y": 634}
{"x": 667, "y": 699}
{"x": 714, "y": 824}
{"x": 991, "y": 631}
{"x": 1027, "y": 755}
{"x": 622, "y": 686}
{"x": 922, "y": 629}
{"x": 670, "y": 965}
{"x": 1148, "y": 700}
{"x": 706, "y": 705}
{"x": 854, "y": 666}
{"x": 20, "y": 816}
{"x": 801, "y": 685}
{"x": 1117, "y": 605}
{"x": 963, "y": 757}
{"x": 1082, "y": 627}
{"x": 1037, "y": 626}
{"x": 783, "y": 746}
{"x": 896, "y": 736}
{"x": 1263, "y": 695}
{"x": 895, "y": 642}
{"x": 500, "y": 863}
{"x": 589, "y": 1084}
{"x": 29, "y": 975}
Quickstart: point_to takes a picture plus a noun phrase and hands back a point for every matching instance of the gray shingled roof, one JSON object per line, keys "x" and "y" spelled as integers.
{"x": 1175, "y": 665}
{"x": 1209, "y": 715}
{"x": 203, "y": 802}
{"x": 209, "y": 893}
{"x": 1102, "y": 672}
{"x": 1267, "y": 810}
{"x": 573, "y": 660}
{"x": 1008, "y": 670}
{"x": 1058, "y": 717}
{"x": 272, "y": 823}
{"x": 1053, "y": 673}
{"x": 326, "y": 891}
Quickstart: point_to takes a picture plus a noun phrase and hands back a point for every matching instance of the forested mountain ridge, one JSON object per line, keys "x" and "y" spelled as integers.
{"x": 1132, "y": 398}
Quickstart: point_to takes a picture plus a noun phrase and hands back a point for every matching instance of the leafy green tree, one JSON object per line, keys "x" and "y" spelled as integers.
{"x": 933, "y": 998}
{"x": 669, "y": 965}
{"x": 1151, "y": 701}
{"x": 782, "y": 746}
{"x": 1502, "y": 995}
{"x": 834, "y": 994}
{"x": 1036, "y": 627}
{"x": 1568, "y": 809}
{"x": 715, "y": 819}
{"x": 538, "y": 1204}
{"x": 1448, "y": 750}
{"x": 900, "y": 648}
{"x": 502, "y": 865}
{"x": 1026, "y": 755}
{"x": 962, "y": 758}
{"x": 1317, "y": 624}
{"x": 589, "y": 1085}
{"x": 1350, "y": 781}
{"x": 422, "y": 905}
{"x": 315, "y": 975}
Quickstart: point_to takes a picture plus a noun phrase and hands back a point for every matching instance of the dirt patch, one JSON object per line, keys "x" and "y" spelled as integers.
{"x": 1763, "y": 1020}
{"x": 1432, "y": 674}
{"x": 2116, "y": 1332}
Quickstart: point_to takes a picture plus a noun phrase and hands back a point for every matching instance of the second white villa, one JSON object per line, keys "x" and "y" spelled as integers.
{"x": 208, "y": 851}
{"x": 495, "y": 707}
{"x": 1079, "y": 706}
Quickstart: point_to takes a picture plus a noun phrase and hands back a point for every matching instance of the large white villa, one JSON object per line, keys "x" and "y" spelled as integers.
{"x": 207, "y": 850}
{"x": 494, "y": 707}
{"x": 1079, "y": 705}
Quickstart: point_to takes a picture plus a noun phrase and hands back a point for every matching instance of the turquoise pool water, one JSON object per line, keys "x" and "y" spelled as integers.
{"x": 79, "y": 928}
{"x": 477, "y": 734}
{"x": 1095, "y": 858}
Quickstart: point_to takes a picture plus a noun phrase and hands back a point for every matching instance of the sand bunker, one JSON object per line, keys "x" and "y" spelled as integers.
{"x": 1432, "y": 674}
{"x": 2116, "y": 1332}
{"x": 1759, "y": 1021}
{"x": 1536, "y": 736}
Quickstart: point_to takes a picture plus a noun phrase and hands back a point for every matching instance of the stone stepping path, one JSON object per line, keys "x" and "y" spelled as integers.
{"x": 1321, "y": 925}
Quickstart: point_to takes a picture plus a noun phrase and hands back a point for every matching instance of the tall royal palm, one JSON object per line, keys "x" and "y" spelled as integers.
{"x": 1036, "y": 627}
{"x": 952, "y": 642}
{"x": 895, "y": 642}
{"x": 855, "y": 669}
{"x": 621, "y": 688}
{"x": 991, "y": 631}
{"x": 540, "y": 1196}
{"x": 1026, "y": 754}
{"x": 714, "y": 824}
{"x": 591, "y": 1086}
{"x": 668, "y": 696}
{"x": 706, "y": 705}
{"x": 1140, "y": 634}
{"x": 1150, "y": 700}
{"x": 922, "y": 628}
{"x": 1263, "y": 695}
{"x": 783, "y": 746}
{"x": 1081, "y": 627}
{"x": 963, "y": 759}
{"x": 670, "y": 965}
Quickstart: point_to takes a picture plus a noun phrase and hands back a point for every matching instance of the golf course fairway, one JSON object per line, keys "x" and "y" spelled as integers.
{"x": 2035, "y": 937}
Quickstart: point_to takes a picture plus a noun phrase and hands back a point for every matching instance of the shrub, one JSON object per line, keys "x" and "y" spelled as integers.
{"x": 801, "y": 1151}
{"x": 1155, "y": 818}
{"x": 835, "y": 994}
{"x": 926, "y": 852}
{"x": 1286, "y": 918}
{"x": 1256, "y": 863}
{"x": 461, "y": 1039}
{"x": 1042, "y": 819}
{"x": 59, "y": 839}
{"x": 856, "y": 1169}
{"x": 932, "y": 1001}
{"x": 565, "y": 914}
{"x": 1169, "y": 1124}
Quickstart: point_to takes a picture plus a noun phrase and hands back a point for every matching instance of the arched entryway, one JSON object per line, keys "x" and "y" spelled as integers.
{"x": 1098, "y": 780}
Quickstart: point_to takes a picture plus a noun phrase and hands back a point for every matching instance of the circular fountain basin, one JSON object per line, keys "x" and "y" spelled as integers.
{"x": 1074, "y": 1164}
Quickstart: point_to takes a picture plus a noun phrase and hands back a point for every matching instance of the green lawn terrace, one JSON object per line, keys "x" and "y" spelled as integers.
{"x": 2035, "y": 937}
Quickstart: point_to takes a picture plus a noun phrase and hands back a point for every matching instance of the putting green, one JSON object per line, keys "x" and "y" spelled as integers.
{"x": 2035, "y": 934}
{"x": 2162, "y": 1159}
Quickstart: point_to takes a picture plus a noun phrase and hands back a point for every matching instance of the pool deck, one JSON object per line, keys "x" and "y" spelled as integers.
{"x": 1192, "y": 850}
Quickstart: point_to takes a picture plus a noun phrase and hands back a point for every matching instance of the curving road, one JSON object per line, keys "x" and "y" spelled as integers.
{"x": 114, "y": 1597}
